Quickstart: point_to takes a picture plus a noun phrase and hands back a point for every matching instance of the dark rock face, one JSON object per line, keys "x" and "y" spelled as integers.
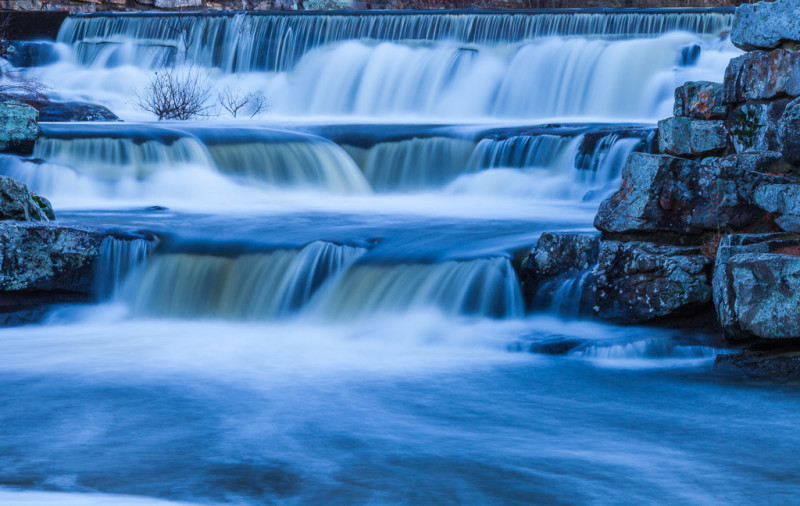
{"x": 762, "y": 364}
{"x": 789, "y": 132}
{"x": 45, "y": 257}
{"x": 782, "y": 200}
{"x": 662, "y": 193}
{"x": 756, "y": 286}
{"x": 691, "y": 137}
{"x": 18, "y": 127}
{"x": 555, "y": 259}
{"x": 760, "y": 76}
{"x": 765, "y": 25}
{"x": 700, "y": 100}
{"x": 18, "y": 203}
{"x": 29, "y": 54}
{"x": 639, "y": 281}
{"x": 75, "y": 111}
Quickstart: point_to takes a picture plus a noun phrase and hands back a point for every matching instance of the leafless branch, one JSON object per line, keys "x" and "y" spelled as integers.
{"x": 176, "y": 93}
{"x": 235, "y": 101}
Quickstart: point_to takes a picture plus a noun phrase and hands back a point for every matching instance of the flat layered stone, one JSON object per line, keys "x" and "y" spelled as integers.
{"x": 766, "y": 25}
{"x": 761, "y": 75}
{"x": 661, "y": 193}
{"x": 700, "y": 100}
{"x": 681, "y": 136}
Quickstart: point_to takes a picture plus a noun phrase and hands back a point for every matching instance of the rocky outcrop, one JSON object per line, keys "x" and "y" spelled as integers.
{"x": 762, "y": 75}
{"x": 74, "y": 111}
{"x": 765, "y": 25}
{"x": 18, "y": 203}
{"x": 691, "y": 137}
{"x": 557, "y": 259}
{"x": 700, "y": 100}
{"x": 641, "y": 281}
{"x": 662, "y": 193}
{"x": 19, "y": 127}
{"x": 757, "y": 286}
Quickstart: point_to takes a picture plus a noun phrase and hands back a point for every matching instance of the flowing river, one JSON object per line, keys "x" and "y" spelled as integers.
{"x": 331, "y": 314}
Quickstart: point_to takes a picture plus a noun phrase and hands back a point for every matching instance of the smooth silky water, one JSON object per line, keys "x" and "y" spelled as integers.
{"x": 328, "y": 312}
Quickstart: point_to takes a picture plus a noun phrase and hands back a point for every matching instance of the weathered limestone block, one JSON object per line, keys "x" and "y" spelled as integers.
{"x": 756, "y": 286}
{"x": 554, "y": 260}
{"x": 18, "y": 203}
{"x": 700, "y": 100}
{"x": 19, "y": 127}
{"x": 639, "y": 281}
{"x": 661, "y": 193}
{"x": 755, "y": 127}
{"x": 691, "y": 137}
{"x": 766, "y": 25}
{"x": 761, "y": 76}
{"x": 782, "y": 200}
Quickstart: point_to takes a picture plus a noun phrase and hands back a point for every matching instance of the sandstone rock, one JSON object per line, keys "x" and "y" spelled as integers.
{"x": 668, "y": 194}
{"x": 700, "y": 100}
{"x": 18, "y": 203}
{"x": 75, "y": 111}
{"x": 760, "y": 76}
{"x": 18, "y": 127}
{"x": 754, "y": 127}
{"x": 756, "y": 286}
{"x": 639, "y": 281}
{"x": 691, "y": 137}
{"x": 766, "y": 25}
{"x": 557, "y": 259}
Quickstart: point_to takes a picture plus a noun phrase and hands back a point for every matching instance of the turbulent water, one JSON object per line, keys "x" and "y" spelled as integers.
{"x": 326, "y": 309}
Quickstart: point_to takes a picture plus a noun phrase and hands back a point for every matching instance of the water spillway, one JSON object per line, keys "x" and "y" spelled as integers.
{"x": 321, "y": 303}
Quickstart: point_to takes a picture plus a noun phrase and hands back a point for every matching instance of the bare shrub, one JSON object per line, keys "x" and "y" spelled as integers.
{"x": 176, "y": 93}
{"x": 236, "y": 101}
{"x": 14, "y": 85}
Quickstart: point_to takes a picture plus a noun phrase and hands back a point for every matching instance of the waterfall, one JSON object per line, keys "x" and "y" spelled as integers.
{"x": 120, "y": 261}
{"x": 253, "y": 41}
{"x": 414, "y": 163}
{"x": 251, "y": 286}
{"x": 482, "y": 287}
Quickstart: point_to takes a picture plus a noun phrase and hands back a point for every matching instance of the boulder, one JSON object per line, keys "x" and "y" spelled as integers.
{"x": 18, "y": 127}
{"x": 755, "y": 127}
{"x": 18, "y": 203}
{"x": 766, "y": 25}
{"x": 761, "y": 76}
{"x": 638, "y": 282}
{"x": 661, "y": 193}
{"x": 700, "y": 100}
{"x": 681, "y": 136}
{"x": 772, "y": 364}
{"x": 556, "y": 260}
{"x": 789, "y": 132}
{"x": 29, "y": 54}
{"x": 782, "y": 200}
{"x": 75, "y": 111}
{"x": 756, "y": 286}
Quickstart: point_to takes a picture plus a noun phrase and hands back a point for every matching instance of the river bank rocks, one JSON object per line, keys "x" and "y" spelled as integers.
{"x": 710, "y": 226}
{"x": 18, "y": 203}
{"x": 19, "y": 127}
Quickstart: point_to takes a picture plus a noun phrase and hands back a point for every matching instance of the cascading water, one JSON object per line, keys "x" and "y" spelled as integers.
{"x": 332, "y": 307}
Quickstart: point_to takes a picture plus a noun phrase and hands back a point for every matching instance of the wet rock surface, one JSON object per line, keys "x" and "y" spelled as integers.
{"x": 18, "y": 127}
{"x": 641, "y": 281}
{"x": 18, "y": 203}
{"x": 75, "y": 111}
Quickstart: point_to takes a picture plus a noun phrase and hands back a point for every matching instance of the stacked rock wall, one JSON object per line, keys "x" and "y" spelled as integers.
{"x": 709, "y": 225}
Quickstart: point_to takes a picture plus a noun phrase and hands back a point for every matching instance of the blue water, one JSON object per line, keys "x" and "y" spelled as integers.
{"x": 328, "y": 312}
